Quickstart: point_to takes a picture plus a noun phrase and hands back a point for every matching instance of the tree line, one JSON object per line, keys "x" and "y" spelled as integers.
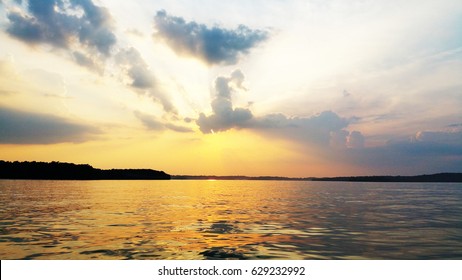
{"x": 70, "y": 171}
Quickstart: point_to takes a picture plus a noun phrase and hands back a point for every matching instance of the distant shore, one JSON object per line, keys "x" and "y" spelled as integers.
{"x": 70, "y": 171}
{"x": 431, "y": 178}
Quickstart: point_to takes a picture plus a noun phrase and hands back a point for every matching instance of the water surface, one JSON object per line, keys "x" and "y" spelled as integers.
{"x": 229, "y": 220}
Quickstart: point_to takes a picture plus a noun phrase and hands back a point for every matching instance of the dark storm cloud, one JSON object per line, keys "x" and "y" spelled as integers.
{"x": 214, "y": 45}
{"x": 58, "y": 22}
{"x": 19, "y": 127}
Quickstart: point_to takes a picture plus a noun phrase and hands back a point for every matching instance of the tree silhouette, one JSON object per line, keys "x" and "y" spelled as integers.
{"x": 70, "y": 171}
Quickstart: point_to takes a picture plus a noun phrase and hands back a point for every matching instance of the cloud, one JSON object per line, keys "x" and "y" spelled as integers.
{"x": 178, "y": 128}
{"x": 442, "y": 137}
{"x": 19, "y": 127}
{"x": 60, "y": 23}
{"x": 425, "y": 152}
{"x": 135, "y": 32}
{"x": 355, "y": 140}
{"x": 86, "y": 61}
{"x": 455, "y": 125}
{"x": 135, "y": 68}
{"x": 151, "y": 123}
{"x": 338, "y": 139}
{"x": 213, "y": 45}
{"x": 84, "y": 30}
{"x": 323, "y": 129}
{"x": 224, "y": 115}
{"x": 140, "y": 77}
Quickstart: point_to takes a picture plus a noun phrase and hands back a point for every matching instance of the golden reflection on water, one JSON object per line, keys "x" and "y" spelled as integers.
{"x": 228, "y": 220}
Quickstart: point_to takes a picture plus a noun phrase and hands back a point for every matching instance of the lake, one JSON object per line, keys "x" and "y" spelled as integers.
{"x": 229, "y": 220}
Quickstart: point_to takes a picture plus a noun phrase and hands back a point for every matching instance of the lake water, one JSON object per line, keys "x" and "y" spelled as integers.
{"x": 229, "y": 220}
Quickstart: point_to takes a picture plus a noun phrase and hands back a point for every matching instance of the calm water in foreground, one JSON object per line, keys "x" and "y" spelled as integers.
{"x": 229, "y": 220}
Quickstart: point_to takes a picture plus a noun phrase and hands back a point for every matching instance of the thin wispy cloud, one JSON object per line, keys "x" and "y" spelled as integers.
{"x": 141, "y": 78}
{"x": 153, "y": 124}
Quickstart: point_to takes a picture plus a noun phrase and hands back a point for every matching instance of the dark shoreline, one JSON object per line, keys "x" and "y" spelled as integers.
{"x": 70, "y": 171}
{"x": 432, "y": 178}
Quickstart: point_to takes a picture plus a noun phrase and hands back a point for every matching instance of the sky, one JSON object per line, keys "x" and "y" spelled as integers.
{"x": 284, "y": 88}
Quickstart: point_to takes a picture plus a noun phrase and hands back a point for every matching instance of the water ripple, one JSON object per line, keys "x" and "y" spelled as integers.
{"x": 229, "y": 220}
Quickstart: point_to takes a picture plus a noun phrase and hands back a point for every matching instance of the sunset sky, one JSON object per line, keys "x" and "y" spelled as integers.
{"x": 263, "y": 87}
